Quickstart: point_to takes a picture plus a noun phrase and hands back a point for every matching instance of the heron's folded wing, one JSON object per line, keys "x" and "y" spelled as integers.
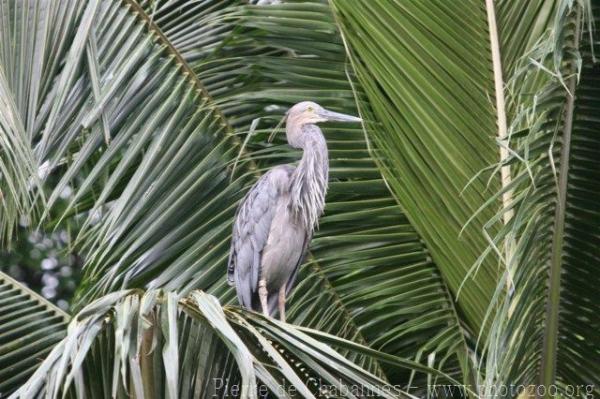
{"x": 251, "y": 230}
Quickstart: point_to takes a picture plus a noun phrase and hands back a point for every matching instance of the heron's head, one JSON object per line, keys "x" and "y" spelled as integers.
{"x": 310, "y": 113}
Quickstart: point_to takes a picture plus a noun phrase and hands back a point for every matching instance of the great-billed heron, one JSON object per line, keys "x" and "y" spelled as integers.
{"x": 276, "y": 219}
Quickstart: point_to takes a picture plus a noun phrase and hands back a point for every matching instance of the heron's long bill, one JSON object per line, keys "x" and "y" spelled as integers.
{"x": 336, "y": 116}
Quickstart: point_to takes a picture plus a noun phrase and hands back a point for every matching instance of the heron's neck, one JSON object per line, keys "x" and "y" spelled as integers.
{"x": 309, "y": 180}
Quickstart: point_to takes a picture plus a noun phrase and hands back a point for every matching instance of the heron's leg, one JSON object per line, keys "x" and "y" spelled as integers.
{"x": 262, "y": 294}
{"x": 282, "y": 303}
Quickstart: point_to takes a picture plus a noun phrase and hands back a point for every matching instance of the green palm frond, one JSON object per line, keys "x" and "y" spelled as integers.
{"x": 18, "y": 174}
{"x": 136, "y": 138}
{"x": 537, "y": 338}
{"x": 31, "y": 327}
{"x": 155, "y": 345}
{"x": 433, "y": 124}
{"x": 520, "y": 26}
{"x": 578, "y": 357}
{"x": 429, "y": 96}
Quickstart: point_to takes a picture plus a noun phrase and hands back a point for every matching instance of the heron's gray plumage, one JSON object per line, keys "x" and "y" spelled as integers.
{"x": 251, "y": 231}
{"x": 276, "y": 219}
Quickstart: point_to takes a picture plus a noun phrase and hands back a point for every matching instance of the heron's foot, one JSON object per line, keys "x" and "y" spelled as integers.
{"x": 282, "y": 303}
{"x": 262, "y": 295}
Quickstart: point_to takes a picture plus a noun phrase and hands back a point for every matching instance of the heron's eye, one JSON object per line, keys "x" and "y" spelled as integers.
{"x": 309, "y": 109}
